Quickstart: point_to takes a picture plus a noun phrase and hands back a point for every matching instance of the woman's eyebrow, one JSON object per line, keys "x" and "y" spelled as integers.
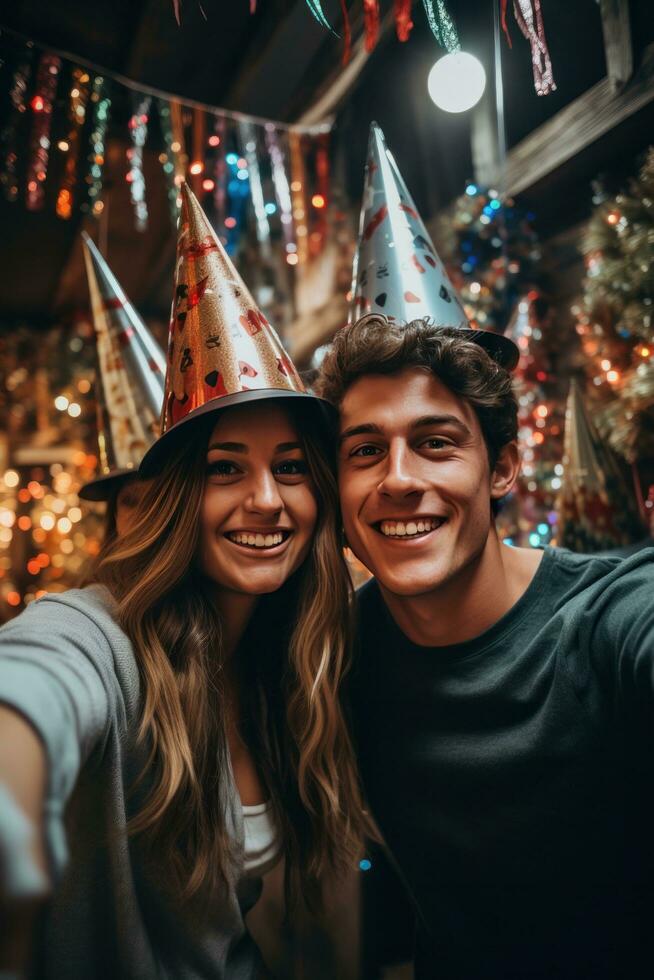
{"x": 229, "y": 447}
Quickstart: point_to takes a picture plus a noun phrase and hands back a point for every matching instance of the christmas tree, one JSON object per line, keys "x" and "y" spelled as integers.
{"x": 615, "y": 319}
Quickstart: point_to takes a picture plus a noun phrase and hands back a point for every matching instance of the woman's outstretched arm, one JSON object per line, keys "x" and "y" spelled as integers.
{"x": 23, "y": 863}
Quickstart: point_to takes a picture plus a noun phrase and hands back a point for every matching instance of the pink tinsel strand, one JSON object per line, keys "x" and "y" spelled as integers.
{"x": 530, "y": 21}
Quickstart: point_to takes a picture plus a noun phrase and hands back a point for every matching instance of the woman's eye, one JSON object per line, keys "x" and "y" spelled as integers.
{"x": 291, "y": 467}
{"x": 221, "y": 467}
{"x": 366, "y": 451}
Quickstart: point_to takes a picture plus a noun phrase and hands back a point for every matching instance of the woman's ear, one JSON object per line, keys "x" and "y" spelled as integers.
{"x": 506, "y": 471}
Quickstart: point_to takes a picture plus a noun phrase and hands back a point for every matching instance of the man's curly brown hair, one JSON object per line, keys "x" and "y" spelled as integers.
{"x": 377, "y": 345}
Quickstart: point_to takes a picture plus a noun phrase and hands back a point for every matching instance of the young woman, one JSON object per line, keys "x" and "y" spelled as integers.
{"x": 198, "y": 678}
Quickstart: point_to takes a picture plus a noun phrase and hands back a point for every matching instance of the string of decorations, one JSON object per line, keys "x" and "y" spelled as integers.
{"x": 527, "y": 13}
{"x": 234, "y": 164}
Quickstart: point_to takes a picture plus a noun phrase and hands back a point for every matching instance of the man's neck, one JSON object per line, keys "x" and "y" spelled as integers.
{"x": 467, "y": 605}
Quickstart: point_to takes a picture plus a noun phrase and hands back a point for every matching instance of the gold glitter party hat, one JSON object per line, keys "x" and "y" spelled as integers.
{"x": 222, "y": 351}
{"x": 397, "y": 270}
{"x": 130, "y": 382}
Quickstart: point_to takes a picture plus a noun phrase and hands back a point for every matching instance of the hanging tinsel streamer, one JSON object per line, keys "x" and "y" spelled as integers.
{"x": 199, "y": 135}
{"x": 347, "y": 33}
{"x": 530, "y": 21}
{"x": 371, "y": 23}
{"x": 403, "y": 21}
{"x": 178, "y": 145}
{"x": 167, "y": 157}
{"x": 505, "y": 26}
{"x": 79, "y": 96}
{"x": 238, "y": 192}
{"x": 320, "y": 199}
{"x": 317, "y": 11}
{"x": 41, "y": 104}
{"x": 442, "y": 25}
{"x": 298, "y": 196}
{"x": 249, "y": 140}
{"x": 138, "y": 128}
{"x": 217, "y": 140}
{"x": 282, "y": 189}
{"x": 8, "y": 147}
{"x": 101, "y": 102}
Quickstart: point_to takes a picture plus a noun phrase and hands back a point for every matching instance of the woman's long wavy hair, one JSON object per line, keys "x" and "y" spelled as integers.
{"x": 290, "y": 663}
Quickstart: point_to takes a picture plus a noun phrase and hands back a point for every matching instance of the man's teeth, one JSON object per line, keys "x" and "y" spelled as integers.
{"x": 257, "y": 540}
{"x": 408, "y": 529}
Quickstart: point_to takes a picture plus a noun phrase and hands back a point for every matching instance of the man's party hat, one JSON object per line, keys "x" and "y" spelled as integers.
{"x": 397, "y": 270}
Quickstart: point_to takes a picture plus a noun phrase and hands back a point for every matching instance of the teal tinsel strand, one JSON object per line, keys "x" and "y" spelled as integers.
{"x": 317, "y": 11}
{"x": 442, "y": 25}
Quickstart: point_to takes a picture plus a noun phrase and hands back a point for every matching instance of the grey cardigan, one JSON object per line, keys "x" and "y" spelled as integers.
{"x": 67, "y": 666}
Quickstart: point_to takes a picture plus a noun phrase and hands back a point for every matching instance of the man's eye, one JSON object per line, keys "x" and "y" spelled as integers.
{"x": 291, "y": 467}
{"x": 366, "y": 451}
{"x": 436, "y": 443}
{"x": 221, "y": 467}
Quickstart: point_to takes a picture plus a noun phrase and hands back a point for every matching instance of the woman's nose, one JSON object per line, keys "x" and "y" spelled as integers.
{"x": 264, "y": 496}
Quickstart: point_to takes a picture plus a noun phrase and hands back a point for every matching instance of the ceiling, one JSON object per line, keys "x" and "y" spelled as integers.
{"x": 275, "y": 63}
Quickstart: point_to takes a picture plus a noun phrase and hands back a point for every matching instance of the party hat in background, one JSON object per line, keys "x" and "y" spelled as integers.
{"x": 596, "y": 511}
{"x": 221, "y": 349}
{"x": 397, "y": 270}
{"x": 130, "y": 381}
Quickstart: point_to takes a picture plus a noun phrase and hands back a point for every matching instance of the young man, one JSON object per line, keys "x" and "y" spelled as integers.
{"x": 503, "y": 703}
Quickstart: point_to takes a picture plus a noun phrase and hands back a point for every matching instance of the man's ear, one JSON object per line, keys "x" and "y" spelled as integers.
{"x": 506, "y": 471}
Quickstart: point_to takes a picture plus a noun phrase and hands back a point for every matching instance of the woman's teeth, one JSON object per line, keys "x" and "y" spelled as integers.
{"x": 409, "y": 529}
{"x": 257, "y": 540}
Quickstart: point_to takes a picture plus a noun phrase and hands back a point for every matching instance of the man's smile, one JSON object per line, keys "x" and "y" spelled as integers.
{"x": 408, "y": 529}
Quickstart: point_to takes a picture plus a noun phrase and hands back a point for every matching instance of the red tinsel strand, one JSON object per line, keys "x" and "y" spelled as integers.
{"x": 505, "y": 26}
{"x": 347, "y": 33}
{"x": 46, "y": 89}
{"x": 530, "y": 21}
{"x": 403, "y": 22}
{"x": 371, "y": 23}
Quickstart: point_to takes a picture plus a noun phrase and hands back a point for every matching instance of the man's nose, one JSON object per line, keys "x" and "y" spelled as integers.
{"x": 401, "y": 477}
{"x": 263, "y": 496}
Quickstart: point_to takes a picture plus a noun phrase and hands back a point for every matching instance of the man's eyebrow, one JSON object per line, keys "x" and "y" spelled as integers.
{"x": 369, "y": 428}
{"x": 366, "y": 428}
{"x": 229, "y": 447}
{"x": 426, "y": 420}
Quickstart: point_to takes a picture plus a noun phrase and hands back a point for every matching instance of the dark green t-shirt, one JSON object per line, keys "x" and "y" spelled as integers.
{"x": 512, "y": 775}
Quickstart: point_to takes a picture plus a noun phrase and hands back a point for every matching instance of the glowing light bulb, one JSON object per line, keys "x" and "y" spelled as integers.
{"x": 456, "y": 82}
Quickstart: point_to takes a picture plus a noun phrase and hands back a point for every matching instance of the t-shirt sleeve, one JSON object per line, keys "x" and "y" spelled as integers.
{"x": 56, "y": 671}
{"x": 624, "y": 631}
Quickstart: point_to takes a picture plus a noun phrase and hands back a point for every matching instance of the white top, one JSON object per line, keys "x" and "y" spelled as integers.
{"x": 263, "y": 846}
